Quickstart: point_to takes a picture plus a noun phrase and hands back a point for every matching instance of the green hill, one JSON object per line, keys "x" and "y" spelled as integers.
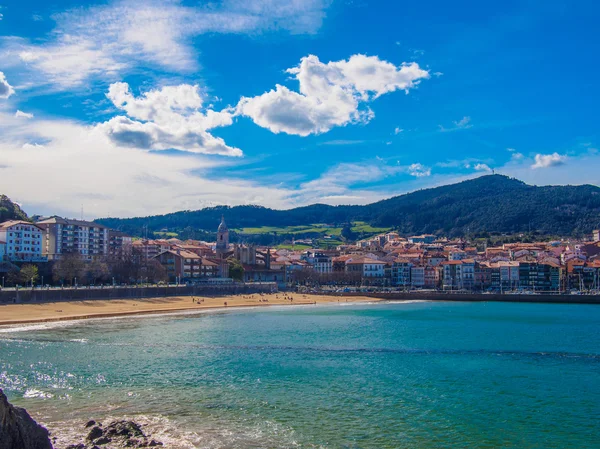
{"x": 492, "y": 203}
{"x": 10, "y": 210}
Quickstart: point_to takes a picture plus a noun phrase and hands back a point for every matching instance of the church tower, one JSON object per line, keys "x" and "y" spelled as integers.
{"x": 222, "y": 239}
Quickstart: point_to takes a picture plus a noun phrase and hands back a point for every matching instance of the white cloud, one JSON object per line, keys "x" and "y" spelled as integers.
{"x": 482, "y": 167}
{"x": 169, "y": 118}
{"x": 398, "y": 130}
{"x": 419, "y": 170}
{"x": 6, "y": 90}
{"x": 21, "y": 114}
{"x": 112, "y": 180}
{"x": 549, "y": 160}
{"x": 106, "y": 40}
{"x": 463, "y": 123}
{"x": 330, "y": 95}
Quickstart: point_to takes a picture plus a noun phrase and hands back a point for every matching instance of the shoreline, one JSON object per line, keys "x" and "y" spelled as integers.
{"x": 49, "y": 312}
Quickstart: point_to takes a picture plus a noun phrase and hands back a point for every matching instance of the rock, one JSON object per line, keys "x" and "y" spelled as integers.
{"x": 154, "y": 443}
{"x": 76, "y": 446}
{"x": 94, "y": 434}
{"x": 18, "y": 430}
{"x": 102, "y": 440}
{"x": 90, "y": 423}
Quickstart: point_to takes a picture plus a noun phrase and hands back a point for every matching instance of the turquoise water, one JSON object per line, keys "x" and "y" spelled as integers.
{"x": 404, "y": 375}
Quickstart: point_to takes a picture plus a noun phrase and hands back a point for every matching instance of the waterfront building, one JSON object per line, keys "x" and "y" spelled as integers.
{"x": 401, "y": 272}
{"x": 180, "y": 265}
{"x": 321, "y": 262}
{"x": 367, "y": 267}
{"x": 67, "y": 236}
{"x": 23, "y": 241}
{"x": 596, "y": 235}
{"x": 119, "y": 245}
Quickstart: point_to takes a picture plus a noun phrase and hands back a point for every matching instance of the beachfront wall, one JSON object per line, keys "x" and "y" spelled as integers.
{"x": 41, "y": 295}
{"x": 477, "y": 297}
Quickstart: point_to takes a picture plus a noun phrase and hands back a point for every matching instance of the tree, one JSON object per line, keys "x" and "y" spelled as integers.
{"x": 67, "y": 268}
{"x": 236, "y": 270}
{"x": 28, "y": 274}
{"x": 97, "y": 270}
{"x": 155, "y": 272}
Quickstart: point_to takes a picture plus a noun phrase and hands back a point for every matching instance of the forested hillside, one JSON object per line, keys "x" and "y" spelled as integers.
{"x": 492, "y": 203}
{"x": 10, "y": 210}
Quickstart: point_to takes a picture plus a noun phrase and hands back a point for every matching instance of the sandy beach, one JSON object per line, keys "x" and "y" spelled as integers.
{"x": 76, "y": 310}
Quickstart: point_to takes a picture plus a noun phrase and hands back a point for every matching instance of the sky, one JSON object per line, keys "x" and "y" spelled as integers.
{"x": 127, "y": 108}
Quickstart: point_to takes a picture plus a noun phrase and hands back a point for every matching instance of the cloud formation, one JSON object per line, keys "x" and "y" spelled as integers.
{"x": 549, "y": 160}
{"x": 169, "y": 118}
{"x": 330, "y": 95}
{"x": 107, "y": 40}
{"x": 482, "y": 167}
{"x": 463, "y": 123}
{"x": 21, "y": 114}
{"x": 419, "y": 170}
{"x": 6, "y": 90}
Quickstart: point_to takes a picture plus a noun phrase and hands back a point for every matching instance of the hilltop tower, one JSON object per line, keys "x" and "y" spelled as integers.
{"x": 222, "y": 238}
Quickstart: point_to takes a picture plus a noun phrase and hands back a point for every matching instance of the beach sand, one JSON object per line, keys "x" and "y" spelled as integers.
{"x": 75, "y": 310}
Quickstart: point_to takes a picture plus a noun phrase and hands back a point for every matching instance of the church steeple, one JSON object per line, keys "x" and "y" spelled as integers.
{"x": 222, "y": 238}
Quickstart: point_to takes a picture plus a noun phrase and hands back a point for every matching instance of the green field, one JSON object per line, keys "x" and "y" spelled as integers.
{"x": 323, "y": 229}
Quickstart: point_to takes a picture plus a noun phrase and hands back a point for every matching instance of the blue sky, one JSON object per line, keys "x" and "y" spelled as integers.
{"x": 129, "y": 109}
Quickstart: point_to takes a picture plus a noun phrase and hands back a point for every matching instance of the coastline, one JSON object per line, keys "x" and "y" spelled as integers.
{"x": 46, "y": 312}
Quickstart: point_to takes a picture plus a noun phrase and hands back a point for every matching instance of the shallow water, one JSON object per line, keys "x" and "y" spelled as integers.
{"x": 404, "y": 375}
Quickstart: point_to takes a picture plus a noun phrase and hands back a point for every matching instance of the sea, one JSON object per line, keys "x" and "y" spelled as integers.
{"x": 383, "y": 375}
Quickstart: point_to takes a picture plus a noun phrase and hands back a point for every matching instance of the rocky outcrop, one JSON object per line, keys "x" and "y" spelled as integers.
{"x": 18, "y": 430}
{"x": 116, "y": 435}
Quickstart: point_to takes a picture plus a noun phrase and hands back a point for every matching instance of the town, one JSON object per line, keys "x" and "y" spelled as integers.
{"x": 74, "y": 253}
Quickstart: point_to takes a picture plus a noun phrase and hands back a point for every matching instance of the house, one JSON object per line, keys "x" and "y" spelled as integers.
{"x": 458, "y": 274}
{"x": 22, "y": 241}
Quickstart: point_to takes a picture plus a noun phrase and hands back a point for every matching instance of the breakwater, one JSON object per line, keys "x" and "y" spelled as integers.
{"x": 478, "y": 297}
{"x": 81, "y": 294}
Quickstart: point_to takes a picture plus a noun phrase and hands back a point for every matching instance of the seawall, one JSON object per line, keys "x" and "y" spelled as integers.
{"x": 478, "y": 297}
{"x": 83, "y": 293}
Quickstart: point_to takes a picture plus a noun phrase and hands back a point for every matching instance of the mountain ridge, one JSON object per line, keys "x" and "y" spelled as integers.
{"x": 489, "y": 203}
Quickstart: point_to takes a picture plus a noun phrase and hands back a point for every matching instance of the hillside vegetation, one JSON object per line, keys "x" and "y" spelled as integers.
{"x": 10, "y": 210}
{"x": 492, "y": 203}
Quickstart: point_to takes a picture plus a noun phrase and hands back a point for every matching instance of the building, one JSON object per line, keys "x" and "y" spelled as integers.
{"x": 543, "y": 277}
{"x": 222, "y": 246}
{"x": 596, "y": 235}
{"x": 2, "y": 250}
{"x": 22, "y": 241}
{"x": 425, "y": 238}
{"x": 401, "y": 272}
{"x": 458, "y": 274}
{"x": 181, "y": 265}
{"x": 119, "y": 245}
{"x": 320, "y": 262}
{"x": 65, "y": 236}
{"x": 367, "y": 267}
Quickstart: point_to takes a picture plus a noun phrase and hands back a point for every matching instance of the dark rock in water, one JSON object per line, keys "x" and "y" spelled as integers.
{"x": 18, "y": 430}
{"x": 117, "y": 434}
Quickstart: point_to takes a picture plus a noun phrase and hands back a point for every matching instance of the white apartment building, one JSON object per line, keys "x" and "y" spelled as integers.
{"x": 66, "y": 236}
{"x": 22, "y": 241}
{"x": 321, "y": 263}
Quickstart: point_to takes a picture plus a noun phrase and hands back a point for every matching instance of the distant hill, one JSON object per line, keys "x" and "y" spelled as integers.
{"x": 10, "y": 210}
{"x": 492, "y": 203}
